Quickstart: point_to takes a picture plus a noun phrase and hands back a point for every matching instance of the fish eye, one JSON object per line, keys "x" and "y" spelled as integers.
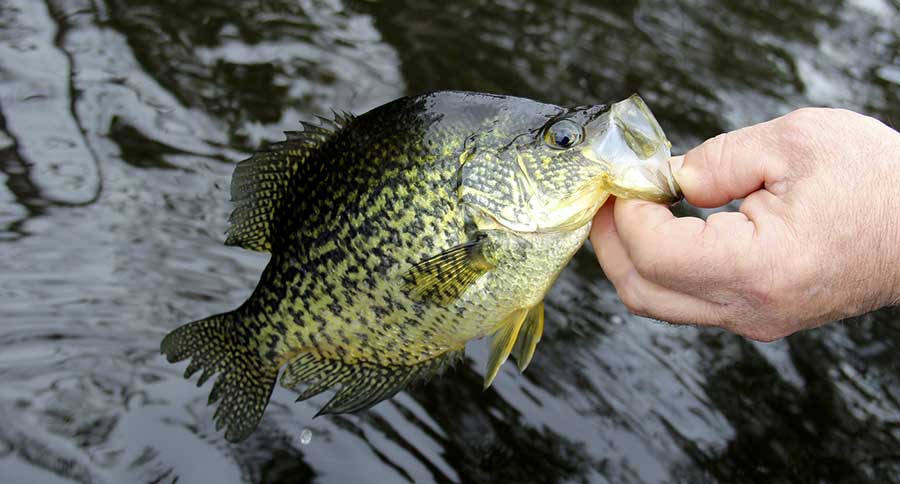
{"x": 563, "y": 134}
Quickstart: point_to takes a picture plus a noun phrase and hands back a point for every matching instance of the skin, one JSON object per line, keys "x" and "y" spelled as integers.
{"x": 817, "y": 237}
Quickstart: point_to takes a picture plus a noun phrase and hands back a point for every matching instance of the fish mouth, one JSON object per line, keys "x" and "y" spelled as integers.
{"x": 631, "y": 144}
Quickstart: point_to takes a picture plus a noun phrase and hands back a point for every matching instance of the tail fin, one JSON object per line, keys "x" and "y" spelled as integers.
{"x": 218, "y": 345}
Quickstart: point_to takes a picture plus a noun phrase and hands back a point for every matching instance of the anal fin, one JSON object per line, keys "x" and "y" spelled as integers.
{"x": 362, "y": 384}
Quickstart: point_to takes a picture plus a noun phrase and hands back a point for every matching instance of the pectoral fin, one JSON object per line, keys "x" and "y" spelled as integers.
{"x": 529, "y": 335}
{"x": 444, "y": 277}
{"x": 503, "y": 342}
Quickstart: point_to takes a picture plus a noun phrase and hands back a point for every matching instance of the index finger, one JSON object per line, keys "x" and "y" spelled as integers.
{"x": 684, "y": 251}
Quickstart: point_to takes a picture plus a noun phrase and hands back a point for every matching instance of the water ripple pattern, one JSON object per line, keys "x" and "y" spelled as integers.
{"x": 121, "y": 121}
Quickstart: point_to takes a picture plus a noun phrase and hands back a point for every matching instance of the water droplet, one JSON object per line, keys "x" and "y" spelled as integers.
{"x": 305, "y": 436}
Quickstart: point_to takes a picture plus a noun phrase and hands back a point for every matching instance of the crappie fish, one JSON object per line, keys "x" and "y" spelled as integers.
{"x": 401, "y": 234}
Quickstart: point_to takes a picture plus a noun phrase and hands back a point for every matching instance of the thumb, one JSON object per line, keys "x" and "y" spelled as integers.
{"x": 730, "y": 166}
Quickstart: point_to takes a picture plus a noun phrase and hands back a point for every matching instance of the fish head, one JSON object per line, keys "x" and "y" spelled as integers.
{"x": 557, "y": 174}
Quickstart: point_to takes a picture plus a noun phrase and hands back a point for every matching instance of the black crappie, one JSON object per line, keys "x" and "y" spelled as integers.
{"x": 399, "y": 235}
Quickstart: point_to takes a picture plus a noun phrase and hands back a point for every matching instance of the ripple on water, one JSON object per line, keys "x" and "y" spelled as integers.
{"x": 120, "y": 121}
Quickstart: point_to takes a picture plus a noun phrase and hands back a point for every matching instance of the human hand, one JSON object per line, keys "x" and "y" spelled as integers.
{"x": 817, "y": 237}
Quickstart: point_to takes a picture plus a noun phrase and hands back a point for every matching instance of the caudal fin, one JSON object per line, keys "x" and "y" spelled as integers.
{"x": 217, "y": 345}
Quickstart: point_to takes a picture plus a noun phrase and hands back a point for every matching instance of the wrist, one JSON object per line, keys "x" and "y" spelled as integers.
{"x": 880, "y": 157}
{"x": 892, "y": 262}
{"x": 892, "y": 223}
{"x": 890, "y": 233}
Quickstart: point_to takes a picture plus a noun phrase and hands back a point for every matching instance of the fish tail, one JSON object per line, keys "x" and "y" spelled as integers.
{"x": 219, "y": 344}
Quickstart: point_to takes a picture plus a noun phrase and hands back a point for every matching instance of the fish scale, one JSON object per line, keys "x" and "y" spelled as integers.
{"x": 396, "y": 237}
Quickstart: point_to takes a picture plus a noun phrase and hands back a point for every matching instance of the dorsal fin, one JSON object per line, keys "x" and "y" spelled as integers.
{"x": 260, "y": 182}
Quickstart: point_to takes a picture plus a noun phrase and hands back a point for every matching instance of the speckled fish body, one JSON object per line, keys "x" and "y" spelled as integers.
{"x": 399, "y": 235}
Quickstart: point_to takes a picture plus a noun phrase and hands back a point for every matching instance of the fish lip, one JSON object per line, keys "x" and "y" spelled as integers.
{"x": 635, "y": 153}
{"x": 669, "y": 185}
{"x": 676, "y": 193}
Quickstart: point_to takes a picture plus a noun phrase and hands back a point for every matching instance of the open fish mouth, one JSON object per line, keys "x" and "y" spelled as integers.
{"x": 636, "y": 152}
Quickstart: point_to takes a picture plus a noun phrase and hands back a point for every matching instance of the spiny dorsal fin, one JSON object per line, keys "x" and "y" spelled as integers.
{"x": 529, "y": 335}
{"x": 260, "y": 182}
{"x": 444, "y": 277}
{"x": 362, "y": 384}
{"x": 502, "y": 343}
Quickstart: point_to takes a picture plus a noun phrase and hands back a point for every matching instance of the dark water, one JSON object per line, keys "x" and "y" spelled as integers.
{"x": 120, "y": 122}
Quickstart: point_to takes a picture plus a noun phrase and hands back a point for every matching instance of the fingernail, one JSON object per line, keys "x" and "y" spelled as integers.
{"x": 676, "y": 162}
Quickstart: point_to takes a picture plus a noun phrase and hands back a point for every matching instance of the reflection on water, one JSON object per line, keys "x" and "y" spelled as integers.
{"x": 120, "y": 121}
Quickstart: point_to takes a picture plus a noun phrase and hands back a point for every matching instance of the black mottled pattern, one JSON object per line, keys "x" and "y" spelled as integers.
{"x": 347, "y": 209}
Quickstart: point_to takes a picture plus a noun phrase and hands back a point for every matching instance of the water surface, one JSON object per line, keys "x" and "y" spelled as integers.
{"x": 121, "y": 121}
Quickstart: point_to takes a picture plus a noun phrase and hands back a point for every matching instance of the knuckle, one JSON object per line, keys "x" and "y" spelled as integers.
{"x": 644, "y": 262}
{"x": 716, "y": 157}
{"x": 764, "y": 324}
{"x": 748, "y": 320}
{"x": 842, "y": 113}
{"x": 734, "y": 318}
{"x": 800, "y": 119}
{"x": 798, "y": 128}
{"x": 758, "y": 291}
{"x": 713, "y": 147}
{"x": 765, "y": 287}
{"x": 632, "y": 303}
{"x": 752, "y": 324}
{"x": 762, "y": 335}
{"x": 654, "y": 263}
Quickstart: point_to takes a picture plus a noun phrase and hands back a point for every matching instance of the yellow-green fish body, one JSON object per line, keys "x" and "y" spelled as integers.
{"x": 399, "y": 235}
